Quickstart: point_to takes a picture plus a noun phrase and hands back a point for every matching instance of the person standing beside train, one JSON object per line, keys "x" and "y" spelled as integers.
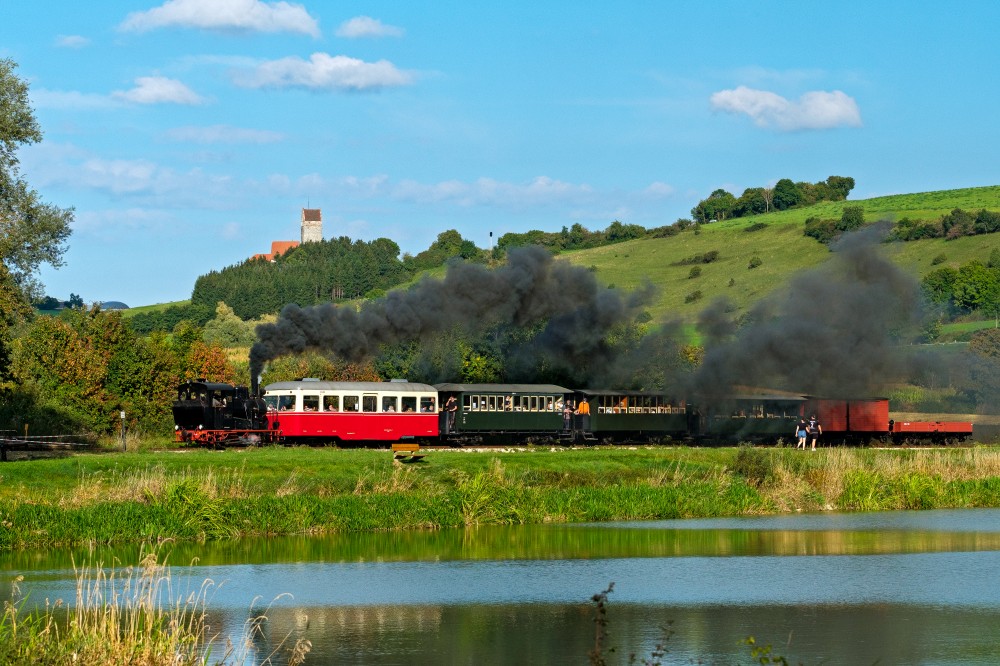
{"x": 813, "y": 431}
{"x": 800, "y": 433}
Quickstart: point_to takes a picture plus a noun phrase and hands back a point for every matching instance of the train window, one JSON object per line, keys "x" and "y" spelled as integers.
{"x": 369, "y": 403}
{"x": 467, "y": 402}
{"x": 286, "y": 403}
{"x": 408, "y": 403}
{"x": 427, "y": 405}
{"x": 482, "y": 403}
{"x": 492, "y": 403}
{"x": 310, "y": 403}
{"x": 390, "y": 403}
{"x": 272, "y": 402}
{"x": 352, "y": 403}
{"x": 508, "y": 404}
{"x": 331, "y": 403}
{"x": 524, "y": 403}
{"x": 534, "y": 403}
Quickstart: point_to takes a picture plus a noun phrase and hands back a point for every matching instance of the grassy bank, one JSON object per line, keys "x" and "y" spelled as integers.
{"x": 122, "y": 498}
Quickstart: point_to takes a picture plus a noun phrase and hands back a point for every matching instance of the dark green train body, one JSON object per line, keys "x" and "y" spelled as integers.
{"x": 500, "y": 410}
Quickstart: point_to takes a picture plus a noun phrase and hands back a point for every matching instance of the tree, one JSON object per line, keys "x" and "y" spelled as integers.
{"x": 786, "y": 194}
{"x": 32, "y": 232}
{"x": 852, "y": 218}
{"x": 840, "y": 187}
{"x": 718, "y": 206}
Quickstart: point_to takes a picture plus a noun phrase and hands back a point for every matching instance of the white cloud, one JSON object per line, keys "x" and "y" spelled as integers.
{"x": 223, "y": 134}
{"x": 238, "y": 15}
{"x": 57, "y": 99}
{"x": 814, "y": 110}
{"x": 128, "y": 219}
{"x": 325, "y": 72}
{"x": 658, "y": 190}
{"x": 72, "y": 41}
{"x": 158, "y": 90}
{"x": 231, "y": 231}
{"x": 366, "y": 26}
{"x": 541, "y": 191}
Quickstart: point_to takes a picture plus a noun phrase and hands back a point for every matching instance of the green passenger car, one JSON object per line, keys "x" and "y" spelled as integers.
{"x": 628, "y": 415}
{"x": 517, "y": 409}
{"x": 753, "y": 416}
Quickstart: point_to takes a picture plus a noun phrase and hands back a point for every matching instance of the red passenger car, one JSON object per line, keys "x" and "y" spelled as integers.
{"x": 314, "y": 410}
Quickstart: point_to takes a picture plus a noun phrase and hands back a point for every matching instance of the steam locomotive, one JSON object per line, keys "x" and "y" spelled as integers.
{"x": 315, "y": 411}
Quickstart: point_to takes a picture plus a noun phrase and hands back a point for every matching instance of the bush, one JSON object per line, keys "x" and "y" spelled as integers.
{"x": 694, "y": 272}
{"x": 755, "y": 261}
{"x": 852, "y": 218}
{"x": 754, "y": 465}
{"x": 939, "y": 259}
{"x": 822, "y": 230}
{"x": 756, "y": 226}
{"x": 693, "y": 296}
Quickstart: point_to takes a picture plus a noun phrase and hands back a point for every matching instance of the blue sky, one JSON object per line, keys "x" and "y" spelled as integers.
{"x": 188, "y": 134}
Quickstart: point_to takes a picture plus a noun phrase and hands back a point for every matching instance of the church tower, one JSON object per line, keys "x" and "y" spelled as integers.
{"x": 312, "y": 225}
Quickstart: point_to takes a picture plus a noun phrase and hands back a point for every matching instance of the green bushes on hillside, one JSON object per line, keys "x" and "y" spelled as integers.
{"x": 951, "y": 225}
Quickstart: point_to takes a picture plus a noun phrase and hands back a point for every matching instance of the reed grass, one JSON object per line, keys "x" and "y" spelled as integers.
{"x": 133, "y": 615}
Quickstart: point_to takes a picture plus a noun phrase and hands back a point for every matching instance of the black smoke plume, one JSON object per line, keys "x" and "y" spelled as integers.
{"x": 531, "y": 289}
{"x": 835, "y": 331}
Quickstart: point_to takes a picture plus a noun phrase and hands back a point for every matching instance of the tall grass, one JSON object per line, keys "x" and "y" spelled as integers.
{"x": 132, "y": 616}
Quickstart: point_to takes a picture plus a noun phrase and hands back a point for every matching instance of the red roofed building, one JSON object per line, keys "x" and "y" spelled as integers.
{"x": 277, "y": 247}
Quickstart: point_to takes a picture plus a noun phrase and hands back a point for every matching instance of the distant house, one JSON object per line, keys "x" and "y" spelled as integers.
{"x": 277, "y": 247}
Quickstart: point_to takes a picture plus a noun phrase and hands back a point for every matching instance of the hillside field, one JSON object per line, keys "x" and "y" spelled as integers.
{"x": 782, "y": 249}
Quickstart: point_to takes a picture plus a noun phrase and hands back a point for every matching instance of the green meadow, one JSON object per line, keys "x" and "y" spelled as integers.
{"x": 782, "y": 248}
{"x": 195, "y": 495}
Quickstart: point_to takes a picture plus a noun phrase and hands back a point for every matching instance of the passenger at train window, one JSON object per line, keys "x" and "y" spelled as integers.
{"x": 389, "y": 403}
{"x": 427, "y": 405}
{"x": 332, "y": 403}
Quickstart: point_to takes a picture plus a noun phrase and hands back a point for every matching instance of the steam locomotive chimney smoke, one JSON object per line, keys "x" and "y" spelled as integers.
{"x": 835, "y": 331}
{"x": 529, "y": 289}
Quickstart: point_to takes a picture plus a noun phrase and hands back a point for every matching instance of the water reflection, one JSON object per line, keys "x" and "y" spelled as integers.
{"x": 901, "y": 587}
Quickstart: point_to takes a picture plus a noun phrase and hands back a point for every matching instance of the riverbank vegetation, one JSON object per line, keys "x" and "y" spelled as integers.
{"x": 202, "y": 495}
{"x": 131, "y": 615}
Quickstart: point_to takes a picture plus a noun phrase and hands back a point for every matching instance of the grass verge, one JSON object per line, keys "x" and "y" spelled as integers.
{"x": 202, "y": 495}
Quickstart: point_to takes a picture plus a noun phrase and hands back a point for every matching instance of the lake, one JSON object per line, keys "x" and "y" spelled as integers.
{"x": 892, "y": 588}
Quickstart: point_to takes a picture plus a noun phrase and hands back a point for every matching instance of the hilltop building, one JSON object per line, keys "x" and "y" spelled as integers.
{"x": 312, "y": 225}
{"x": 312, "y": 232}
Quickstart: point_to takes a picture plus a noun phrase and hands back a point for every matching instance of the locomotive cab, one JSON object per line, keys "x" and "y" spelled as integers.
{"x": 212, "y": 407}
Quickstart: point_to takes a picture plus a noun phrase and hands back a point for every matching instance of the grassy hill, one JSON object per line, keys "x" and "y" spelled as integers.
{"x": 781, "y": 247}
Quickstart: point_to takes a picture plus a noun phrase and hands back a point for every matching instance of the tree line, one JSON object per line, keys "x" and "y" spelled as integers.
{"x": 722, "y": 205}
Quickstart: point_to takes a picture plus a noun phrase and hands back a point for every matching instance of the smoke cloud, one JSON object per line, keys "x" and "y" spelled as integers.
{"x": 835, "y": 331}
{"x": 531, "y": 289}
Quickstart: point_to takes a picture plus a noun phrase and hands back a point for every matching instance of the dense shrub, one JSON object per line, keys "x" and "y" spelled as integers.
{"x": 754, "y": 465}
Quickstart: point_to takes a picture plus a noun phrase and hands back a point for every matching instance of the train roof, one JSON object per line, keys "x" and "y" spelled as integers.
{"x": 208, "y": 386}
{"x": 319, "y": 385}
{"x": 501, "y": 388}
{"x": 629, "y": 394}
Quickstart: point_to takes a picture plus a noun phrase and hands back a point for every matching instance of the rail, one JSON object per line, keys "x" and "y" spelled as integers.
{"x": 10, "y": 442}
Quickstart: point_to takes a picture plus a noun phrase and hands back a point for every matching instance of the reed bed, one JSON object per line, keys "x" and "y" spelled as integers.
{"x": 126, "y": 616}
